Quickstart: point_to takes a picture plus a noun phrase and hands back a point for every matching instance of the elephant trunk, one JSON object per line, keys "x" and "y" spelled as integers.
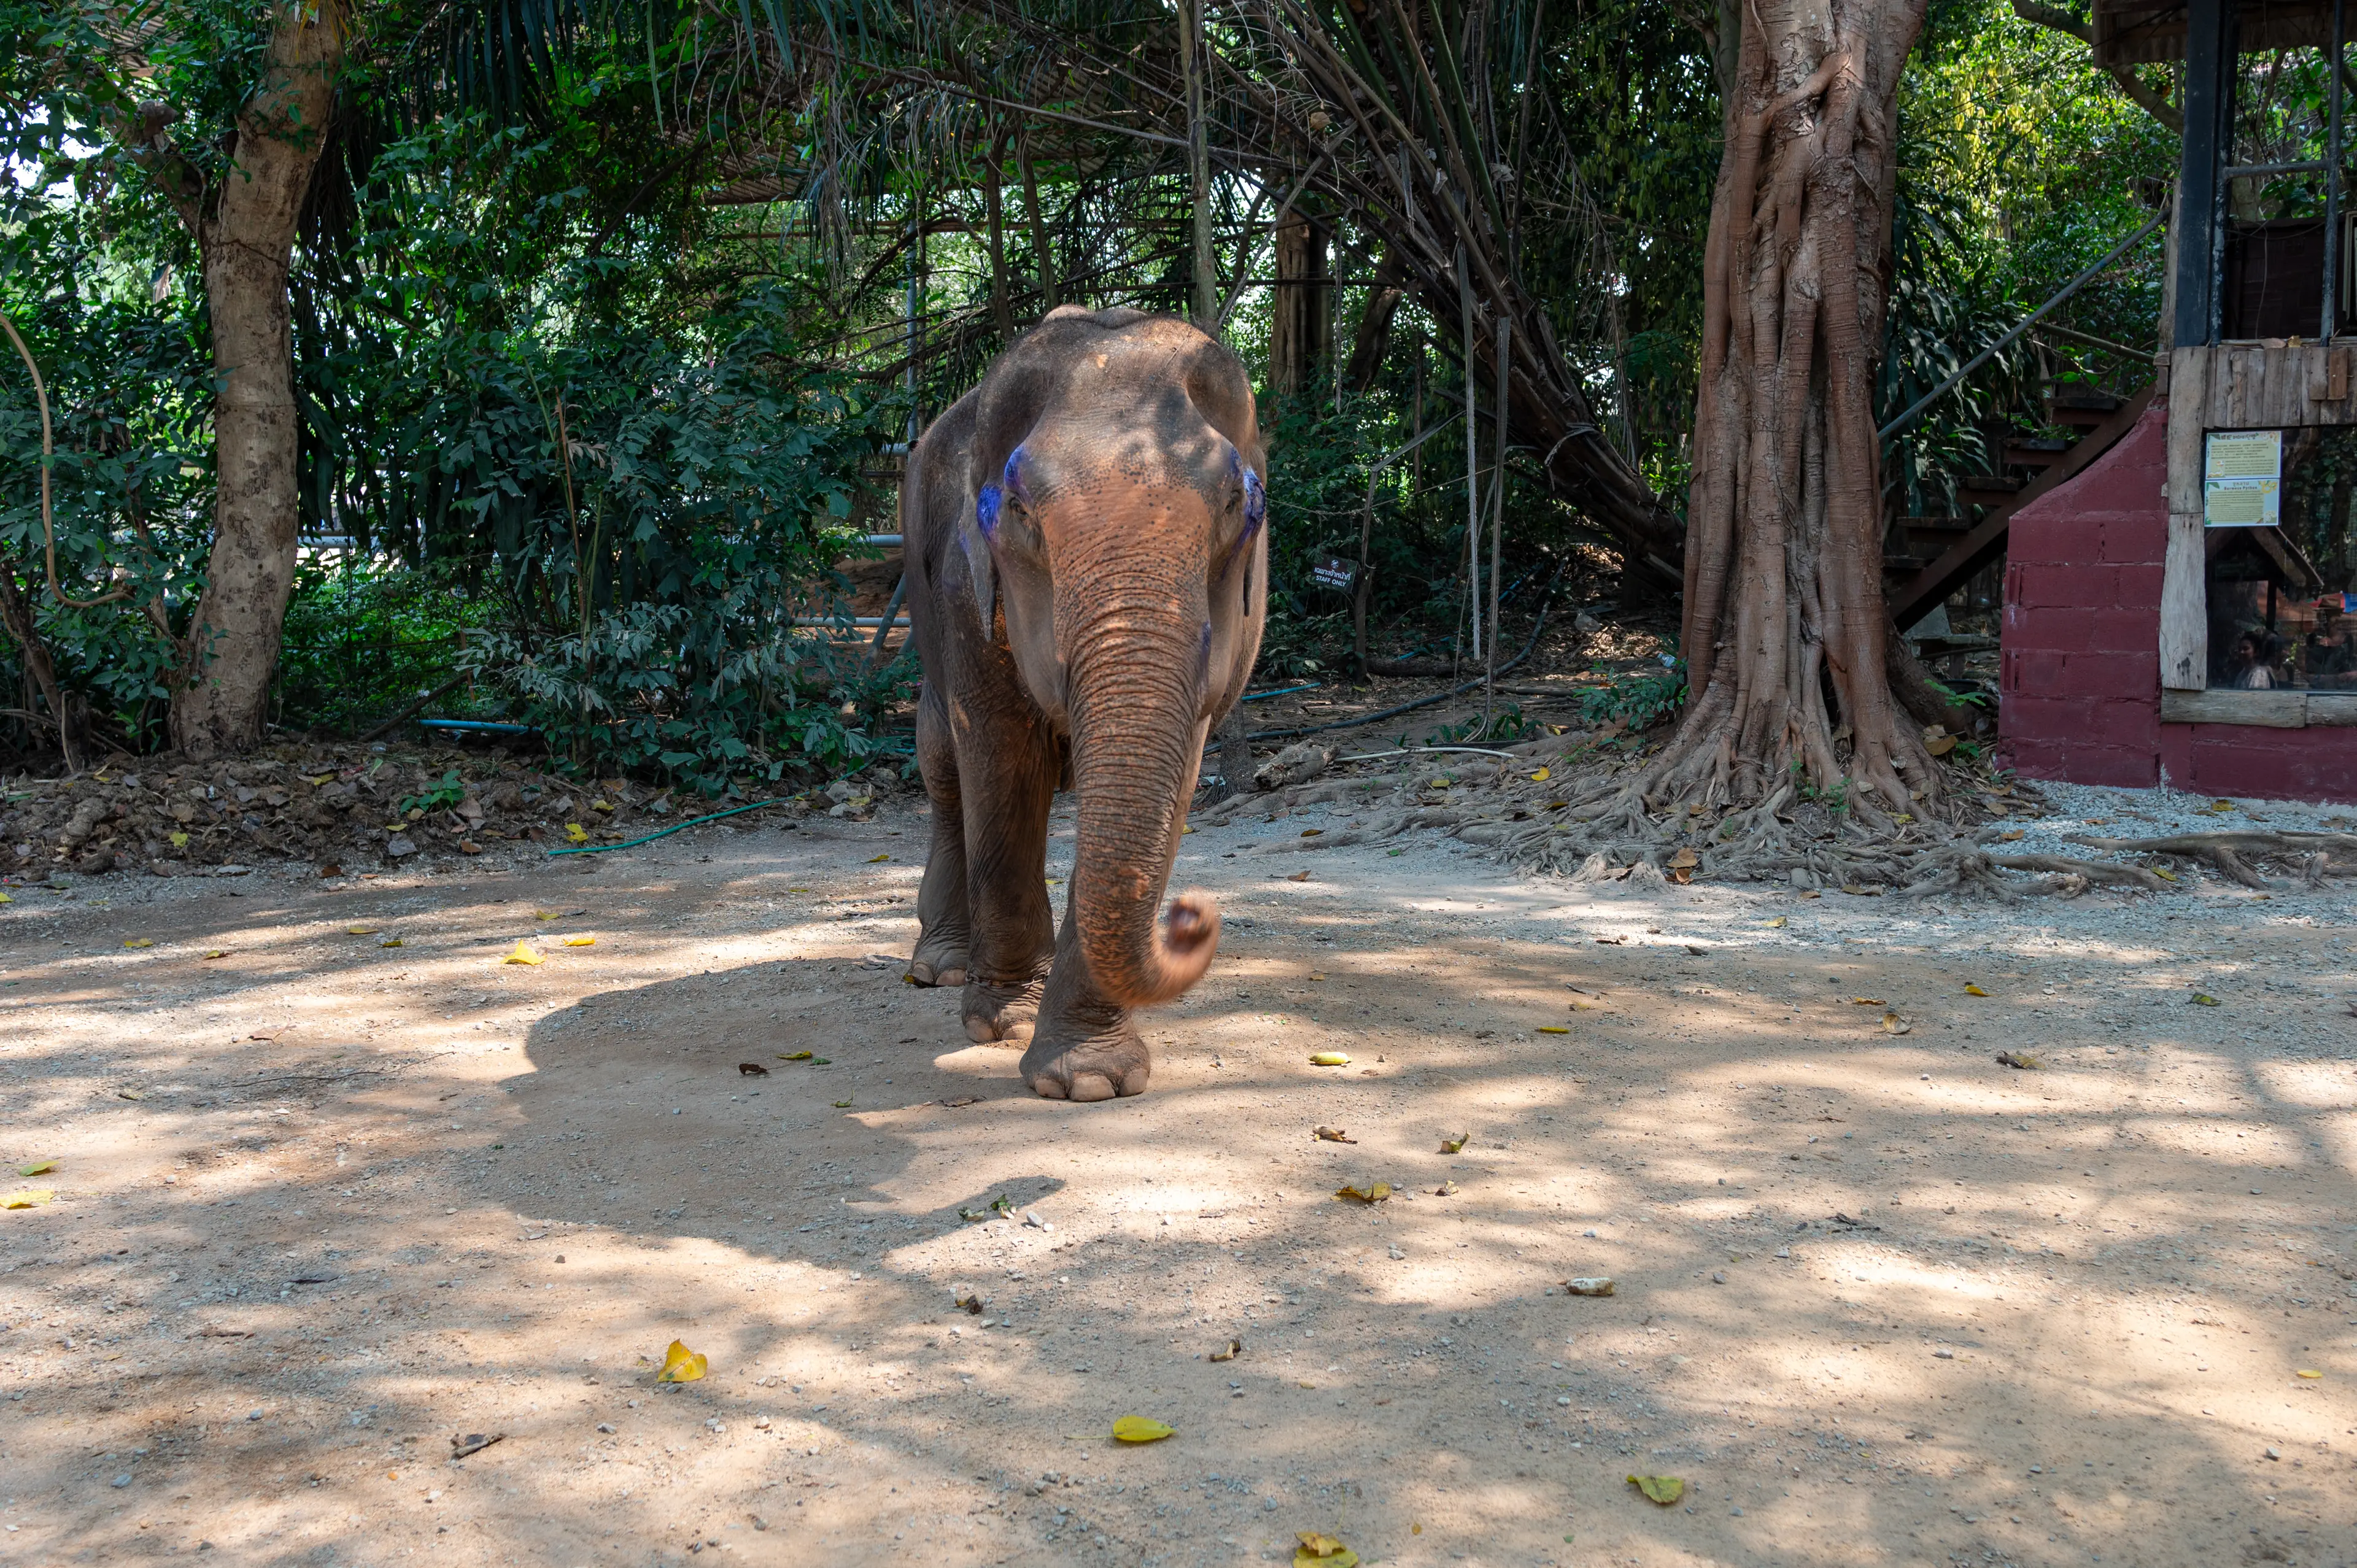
{"x": 1136, "y": 743}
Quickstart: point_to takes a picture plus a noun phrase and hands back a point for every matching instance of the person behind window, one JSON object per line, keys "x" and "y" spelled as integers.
{"x": 2247, "y": 668}
{"x": 2330, "y": 660}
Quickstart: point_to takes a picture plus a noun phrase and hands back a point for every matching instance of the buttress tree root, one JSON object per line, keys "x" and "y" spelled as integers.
{"x": 1785, "y": 630}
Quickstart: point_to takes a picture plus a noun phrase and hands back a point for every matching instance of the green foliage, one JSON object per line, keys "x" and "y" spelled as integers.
{"x": 1505, "y": 725}
{"x": 1638, "y": 702}
{"x": 446, "y": 791}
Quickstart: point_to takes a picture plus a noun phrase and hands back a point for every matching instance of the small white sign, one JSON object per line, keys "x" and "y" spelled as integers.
{"x": 2242, "y": 479}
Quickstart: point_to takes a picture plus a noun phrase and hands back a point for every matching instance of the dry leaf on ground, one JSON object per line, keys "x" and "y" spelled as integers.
{"x": 140, "y": 942}
{"x": 1868, "y": 1002}
{"x": 32, "y": 1198}
{"x": 1329, "y": 1059}
{"x": 1456, "y": 1144}
{"x": 522, "y": 954}
{"x": 2021, "y": 1059}
{"x": 1892, "y": 1024}
{"x": 1974, "y": 991}
{"x": 1228, "y": 1352}
{"x": 795, "y": 1055}
{"x": 1140, "y": 1429}
{"x": 474, "y": 1443}
{"x": 39, "y": 1167}
{"x": 878, "y": 859}
{"x": 360, "y": 930}
{"x": 1553, "y": 1029}
{"x": 1663, "y": 1490}
{"x": 1373, "y": 1192}
{"x": 681, "y": 1365}
{"x": 2203, "y": 999}
{"x": 1600, "y": 1284}
{"x": 1318, "y": 1551}
{"x": 1332, "y": 1135}
{"x": 752, "y": 1069}
{"x": 581, "y": 941}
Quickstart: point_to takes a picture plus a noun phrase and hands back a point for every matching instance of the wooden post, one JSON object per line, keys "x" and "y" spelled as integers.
{"x": 2208, "y": 108}
{"x": 1043, "y": 260}
{"x": 2184, "y": 593}
{"x": 1205, "y": 288}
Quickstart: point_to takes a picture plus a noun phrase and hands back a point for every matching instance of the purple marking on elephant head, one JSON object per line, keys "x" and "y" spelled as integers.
{"x": 986, "y": 510}
{"x": 1203, "y": 658}
{"x": 1255, "y": 503}
{"x": 1011, "y": 476}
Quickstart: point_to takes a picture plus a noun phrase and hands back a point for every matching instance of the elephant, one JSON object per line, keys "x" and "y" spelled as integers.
{"x": 1086, "y": 546}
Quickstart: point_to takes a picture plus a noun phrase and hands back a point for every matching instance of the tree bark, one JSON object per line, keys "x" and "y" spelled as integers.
{"x": 245, "y": 227}
{"x": 1785, "y": 629}
{"x": 1301, "y": 324}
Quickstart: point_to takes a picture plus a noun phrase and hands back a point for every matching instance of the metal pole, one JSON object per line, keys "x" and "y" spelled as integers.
{"x": 2332, "y": 186}
{"x": 1473, "y": 454}
{"x": 1503, "y": 341}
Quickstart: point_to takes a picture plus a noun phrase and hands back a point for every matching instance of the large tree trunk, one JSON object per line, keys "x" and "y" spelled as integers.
{"x": 1785, "y": 628}
{"x": 1301, "y": 315}
{"x": 246, "y": 233}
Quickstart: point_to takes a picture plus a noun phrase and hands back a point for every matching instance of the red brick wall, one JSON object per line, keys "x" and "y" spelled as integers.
{"x": 2079, "y": 684}
{"x": 2079, "y": 687}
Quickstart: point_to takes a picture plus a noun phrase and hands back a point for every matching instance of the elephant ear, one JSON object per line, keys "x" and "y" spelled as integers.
{"x": 973, "y": 538}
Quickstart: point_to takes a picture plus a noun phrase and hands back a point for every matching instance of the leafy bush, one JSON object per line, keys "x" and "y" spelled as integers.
{"x": 1638, "y": 702}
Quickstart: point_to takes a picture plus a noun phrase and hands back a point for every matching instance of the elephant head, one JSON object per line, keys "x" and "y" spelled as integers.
{"x": 1118, "y": 545}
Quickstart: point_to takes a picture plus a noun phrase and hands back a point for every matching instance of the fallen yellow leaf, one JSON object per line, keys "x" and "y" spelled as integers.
{"x": 681, "y": 1365}
{"x": 1318, "y": 1550}
{"x": 522, "y": 954}
{"x": 1228, "y": 1352}
{"x": 1315, "y": 975}
{"x": 2164, "y": 876}
{"x": 30, "y": 1197}
{"x": 180, "y": 840}
{"x": 1374, "y": 1192}
{"x": 140, "y": 942}
{"x": 41, "y": 1167}
{"x": 1663, "y": 1490}
{"x": 581, "y": 941}
{"x": 217, "y": 952}
{"x": 360, "y": 930}
{"x": 1553, "y": 1029}
{"x": 875, "y": 859}
{"x": 1971, "y": 990}
{"x": 1332, "y": 1135}
{"x": 2303, "y": 1372}
{"x": 1140, "y": 1429}
{"x": 6, "y": 899}
{"x": 1329, "y": 1059}
{"x": 2011, "y": 835}
{"x": 1777, "y": 924}
{"x": 577, "y": 832}
{"x": 543, "y": 914}
{"x": 1541, "y": 776}
{"x": 2203, "y": 999}
{"x": 794, "y": 1056}
{"x": 1895, "y": 1024}
{"x": 390, "y": 942}
{"x": 1868, "y": 1002}
{"x": 1456, "y": 1144}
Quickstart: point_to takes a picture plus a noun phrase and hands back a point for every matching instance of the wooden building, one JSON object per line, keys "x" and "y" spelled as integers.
{"x": 2183, "y": 609}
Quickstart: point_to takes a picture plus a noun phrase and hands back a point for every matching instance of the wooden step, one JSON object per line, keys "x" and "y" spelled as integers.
{"x": 2079, "y": 395}
{"x": 1988, "y": 489}
{"x": 2034, "y": 451}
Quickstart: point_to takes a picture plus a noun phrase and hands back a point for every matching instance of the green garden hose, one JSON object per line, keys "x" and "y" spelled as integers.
{"x": 602, "y": 848}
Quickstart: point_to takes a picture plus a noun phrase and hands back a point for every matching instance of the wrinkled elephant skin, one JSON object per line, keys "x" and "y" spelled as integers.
{"x": 1087, "y": 553}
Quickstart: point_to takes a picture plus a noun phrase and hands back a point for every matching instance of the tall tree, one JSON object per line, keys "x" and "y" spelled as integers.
{"x": 1785, "y": 633}
{"x": 242, "y": 201}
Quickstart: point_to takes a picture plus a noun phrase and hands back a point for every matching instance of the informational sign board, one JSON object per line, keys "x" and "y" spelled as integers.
{"x": 1330, "y": 573}
{"x": 2242, "y": 479}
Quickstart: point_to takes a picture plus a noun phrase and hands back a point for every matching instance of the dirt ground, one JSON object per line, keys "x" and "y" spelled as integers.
{"x": 322, "y": 1204}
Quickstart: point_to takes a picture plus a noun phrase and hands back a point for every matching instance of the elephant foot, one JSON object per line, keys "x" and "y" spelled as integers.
{"x": 1097, "y": 1067}
{"x": 940, "y": 959}
{"x": 1001, "y": 1014}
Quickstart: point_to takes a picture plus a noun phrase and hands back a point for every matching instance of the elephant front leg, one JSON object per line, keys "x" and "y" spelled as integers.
{"x": 944, "y": 925}
{"x": 1085, "y": 1047}
{"x": 1012, "y": 939}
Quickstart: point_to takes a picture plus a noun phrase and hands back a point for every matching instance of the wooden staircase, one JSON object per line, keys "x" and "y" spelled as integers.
{"x": 1928, "y": 558}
